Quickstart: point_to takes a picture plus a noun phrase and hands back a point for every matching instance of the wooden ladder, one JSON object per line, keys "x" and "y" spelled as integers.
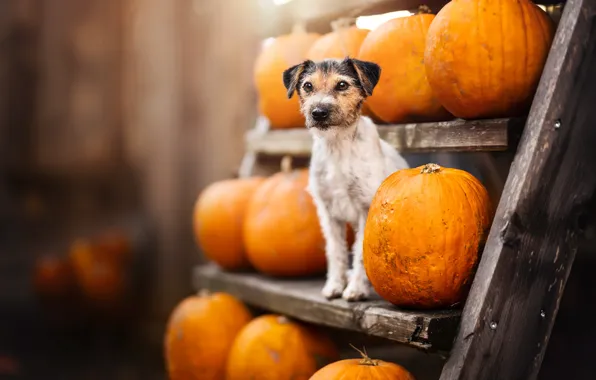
{"x": 504, "y": 328}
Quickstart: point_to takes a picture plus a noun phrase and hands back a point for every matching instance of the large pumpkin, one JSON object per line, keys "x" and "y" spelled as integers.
{"x": 362, "y": 369}
{"x": 423, "y": 234}
{"x": 199, "y": 335}
{"x": 484, "y": 59}
{"x": 273, "y": 348}
{"x": 403, "y": 93}
{"x": 218, "y": 218}
{"x": 282, "y": 53}
{"x": 282, "y": 235}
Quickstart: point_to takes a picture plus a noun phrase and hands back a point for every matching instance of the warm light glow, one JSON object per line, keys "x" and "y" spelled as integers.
{"x": 281, "y": 2}
{"x": 372, "y": 22}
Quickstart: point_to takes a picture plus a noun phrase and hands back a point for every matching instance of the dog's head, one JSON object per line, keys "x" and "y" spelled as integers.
{"x": 331, "y": 91}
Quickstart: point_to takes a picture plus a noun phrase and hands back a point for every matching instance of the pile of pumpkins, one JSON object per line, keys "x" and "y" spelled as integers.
{"x": 214, "y": 337}
{"x": 93, "y": 277}
{"x": 472, "y": 61}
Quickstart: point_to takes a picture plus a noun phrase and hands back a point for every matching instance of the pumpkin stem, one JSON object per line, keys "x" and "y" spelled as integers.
{"x": 422, "y": 9}
{"x": 365, "y": 359}
{"x": 299, "y": 28}
{"x": 430, "y": 168}
{"x": 204, "y": 293}
{"x": 286, "y": 164}
{"x": 282, "y": 319}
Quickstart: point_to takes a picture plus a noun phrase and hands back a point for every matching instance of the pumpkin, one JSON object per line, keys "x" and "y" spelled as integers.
{"x": 283, "y": 52}
{"x": 218, "y": 218}
{"x": 271, "y": 347}
{"x": 53, "y": 277}
{"x": 361, "y": 369}
{"x": 423, "y": 234}
{"x": 485, "y": 59}
{"x": 200, "y": 333}
{"x": 282, "y": 236}
{"x": 115, "y": 246}
{"x": 403, "y": 93}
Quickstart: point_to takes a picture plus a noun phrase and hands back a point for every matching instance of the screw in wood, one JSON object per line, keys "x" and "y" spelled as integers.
{"x": 493, "y": 325}
{"x": 557, "y": 124}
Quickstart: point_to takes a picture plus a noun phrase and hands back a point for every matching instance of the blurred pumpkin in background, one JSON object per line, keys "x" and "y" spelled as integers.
{"x": 199, "y": 336}
{"x": 275, "y": 57}
{"x": 271, "y": 347}
{"x": 403, "y": 93}
{"x": 218, "y": 220}
{"x": 53, "y": 277}
{"x": 484, "y": 60}
{"x": 282, "y": 235}
{"x": 115, "y": 246}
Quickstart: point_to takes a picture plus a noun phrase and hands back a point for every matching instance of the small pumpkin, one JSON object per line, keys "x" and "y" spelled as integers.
{"x": 114, "y": 245}
{"x": 485, "y": 59}
{"x": 423, "y": 234}
{"x": 283, "y": 52}
{"x": 282, "y": 235}
{"x": 200, "y": 333}
{"x": 218, "y": 218}
{"x": 403, "y": 92}
{"x": 271, "y": 347}
{"x": 360, "y": 369}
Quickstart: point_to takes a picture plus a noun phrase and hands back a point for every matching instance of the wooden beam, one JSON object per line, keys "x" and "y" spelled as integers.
{"x": 452, "y": 136}
{"x": 515, "y": 296}
{"x": 302, "y": 299}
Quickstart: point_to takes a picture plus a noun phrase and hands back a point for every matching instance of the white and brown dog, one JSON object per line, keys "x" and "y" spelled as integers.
{"x": 349, "y": 160}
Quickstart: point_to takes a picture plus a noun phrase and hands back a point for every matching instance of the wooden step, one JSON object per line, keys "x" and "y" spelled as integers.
{"x": 446, "y": 136}
{"x": 301, "y": 299}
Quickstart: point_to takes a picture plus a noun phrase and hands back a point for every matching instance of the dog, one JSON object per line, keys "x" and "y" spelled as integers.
{"x": 348, "y": 164}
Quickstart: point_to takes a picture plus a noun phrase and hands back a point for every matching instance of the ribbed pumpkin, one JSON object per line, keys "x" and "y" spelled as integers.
{"x": 284, "y": 52}
{"x": 271, "y": 347}
{"x": 484, "y": 59}
{"x": 423, "y": 234}
{"x": 282, "y": 235}
{"x": 199, "y": 335}
{"x": 403, "y": 93}
{"x": 218, "y": 218}
{"x": 362, "y": 369}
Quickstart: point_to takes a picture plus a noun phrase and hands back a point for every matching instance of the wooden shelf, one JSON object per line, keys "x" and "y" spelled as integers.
{"x": 453, "y": 136}
{"x": 301, "y": 299}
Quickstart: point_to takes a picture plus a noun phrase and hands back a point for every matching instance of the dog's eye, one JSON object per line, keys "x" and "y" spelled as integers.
{"x": 307, "y": 86}
{"x": 341, "y": 86}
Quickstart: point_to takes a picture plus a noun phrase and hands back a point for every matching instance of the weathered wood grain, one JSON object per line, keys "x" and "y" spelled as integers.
{"x": 301, "y": 299}
{"x": 515, "y": 296}
{"x": 447, "y": 136}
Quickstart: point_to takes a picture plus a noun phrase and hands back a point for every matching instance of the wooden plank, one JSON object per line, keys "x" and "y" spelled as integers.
{"x": 301, "y": 299}
{"x": 447, "y": 136}
{"x": 515, "y": 297}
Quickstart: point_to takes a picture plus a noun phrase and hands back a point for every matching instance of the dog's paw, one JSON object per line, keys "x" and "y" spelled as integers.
{"x": 356, "y": 291}
{"x": 333, "y": 288}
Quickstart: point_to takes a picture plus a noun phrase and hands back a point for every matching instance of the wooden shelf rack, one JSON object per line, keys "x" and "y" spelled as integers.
{"x": 302, "y": 299}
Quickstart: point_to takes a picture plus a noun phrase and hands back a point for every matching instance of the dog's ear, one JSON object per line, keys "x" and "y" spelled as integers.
{"x": 292, "y": 76}
{"x": 368, "y": 74}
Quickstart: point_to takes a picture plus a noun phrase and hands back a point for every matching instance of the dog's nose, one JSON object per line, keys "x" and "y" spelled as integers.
{"x": 320, "y": 114}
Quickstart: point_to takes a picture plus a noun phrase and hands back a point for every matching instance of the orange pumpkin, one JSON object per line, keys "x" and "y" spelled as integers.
{"x": 199, "y": 335}
{"x": 282, "y": 235}
{"x": 423, "y": 234}
{"x": 273, "y": 348}
{"x": 485, "y": 59}
{"x": 361, "y": 369}
{"x": 53, "y": 277}
{"x": 283, "y": 52}
{"x": 115, "y": 246}
{"x": 403, "y": 93}
{"x": 218, "y": 217}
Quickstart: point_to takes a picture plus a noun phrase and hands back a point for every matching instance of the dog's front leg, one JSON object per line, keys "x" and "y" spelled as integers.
{"x": 336, "y": 251}
{"x": 358, "y": 287}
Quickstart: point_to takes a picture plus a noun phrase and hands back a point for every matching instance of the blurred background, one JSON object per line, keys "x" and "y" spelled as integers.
{"x": 114, "y": 114}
